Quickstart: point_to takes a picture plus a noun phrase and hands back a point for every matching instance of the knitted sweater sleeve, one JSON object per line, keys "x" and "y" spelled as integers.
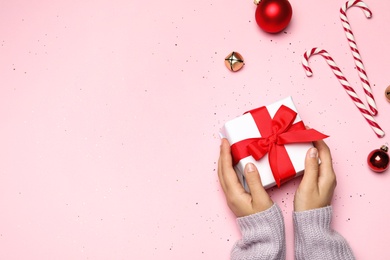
{"x": 315, "y": 239}
{"x": 263, "y": 236}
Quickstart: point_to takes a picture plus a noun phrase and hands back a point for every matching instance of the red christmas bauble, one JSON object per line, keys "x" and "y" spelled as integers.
{"x": 273, "y": 15}
{"x": 378, "y": 160}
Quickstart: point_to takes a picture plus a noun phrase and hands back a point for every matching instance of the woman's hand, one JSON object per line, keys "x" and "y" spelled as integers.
{"x": 239, "y": 201}
{"x": 319, "y": 181}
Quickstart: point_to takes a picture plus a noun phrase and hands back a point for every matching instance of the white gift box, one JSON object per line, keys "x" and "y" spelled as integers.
{"x": 244, "y": 127}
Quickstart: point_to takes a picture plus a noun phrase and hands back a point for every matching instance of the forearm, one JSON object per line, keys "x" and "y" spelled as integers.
{"x": 315, "y": 239}
{"x": 263, "y": 236}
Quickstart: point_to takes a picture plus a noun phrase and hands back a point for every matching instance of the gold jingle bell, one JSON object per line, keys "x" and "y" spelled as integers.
{"x": 387, "y": 93}
{"x": 234, "y": 61}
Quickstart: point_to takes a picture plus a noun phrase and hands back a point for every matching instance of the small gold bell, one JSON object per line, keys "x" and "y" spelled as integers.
{"x": 234, "y": 61}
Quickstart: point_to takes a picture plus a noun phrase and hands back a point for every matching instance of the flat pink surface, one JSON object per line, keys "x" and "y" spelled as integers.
{"x": 111, "y": 110}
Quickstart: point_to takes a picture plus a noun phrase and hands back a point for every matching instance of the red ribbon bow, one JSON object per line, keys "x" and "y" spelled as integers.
{"x": 275, "y": 132}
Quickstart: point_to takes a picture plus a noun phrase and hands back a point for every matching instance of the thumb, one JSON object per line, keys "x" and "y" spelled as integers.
{"x": 260, "y": 197}
{"x": 311, "y": 168}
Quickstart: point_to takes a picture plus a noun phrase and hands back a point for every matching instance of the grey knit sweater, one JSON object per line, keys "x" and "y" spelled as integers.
{"x": 263, "y": 236}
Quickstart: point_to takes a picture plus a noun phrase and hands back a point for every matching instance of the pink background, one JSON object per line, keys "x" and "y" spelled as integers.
{"x": 110, "y": 115}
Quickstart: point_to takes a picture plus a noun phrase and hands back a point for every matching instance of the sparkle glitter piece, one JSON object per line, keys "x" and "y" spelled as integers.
{"x": 234, "y": 61}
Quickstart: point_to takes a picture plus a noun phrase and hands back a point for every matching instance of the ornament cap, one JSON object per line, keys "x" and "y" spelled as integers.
{"x": 384, "y": 148}
{"x": 256, "y": 2}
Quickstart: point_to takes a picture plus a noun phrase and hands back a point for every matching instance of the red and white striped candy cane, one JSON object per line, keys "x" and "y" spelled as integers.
{"x": 344, "y": 82}
{"x": 355, "y": 51}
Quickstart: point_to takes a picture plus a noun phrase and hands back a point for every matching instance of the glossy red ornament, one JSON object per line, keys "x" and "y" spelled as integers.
{"x": 378, "y": 160}
{"x": 273, "y": 15}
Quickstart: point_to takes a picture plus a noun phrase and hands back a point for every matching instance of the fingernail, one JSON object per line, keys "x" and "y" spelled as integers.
{"x": 313, "y": 153}
{"x": 250, "y": 167}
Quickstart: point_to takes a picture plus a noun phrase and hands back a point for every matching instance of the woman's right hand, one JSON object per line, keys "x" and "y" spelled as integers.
{"x": 319, "y": 180}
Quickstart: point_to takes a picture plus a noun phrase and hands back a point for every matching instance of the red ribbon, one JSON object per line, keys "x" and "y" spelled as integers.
{"x": 275, "y": 132}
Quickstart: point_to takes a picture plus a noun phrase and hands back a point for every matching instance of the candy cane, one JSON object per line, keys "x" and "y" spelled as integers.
{"x": 344, "y": 82}
{"x": 355, "y": 51}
